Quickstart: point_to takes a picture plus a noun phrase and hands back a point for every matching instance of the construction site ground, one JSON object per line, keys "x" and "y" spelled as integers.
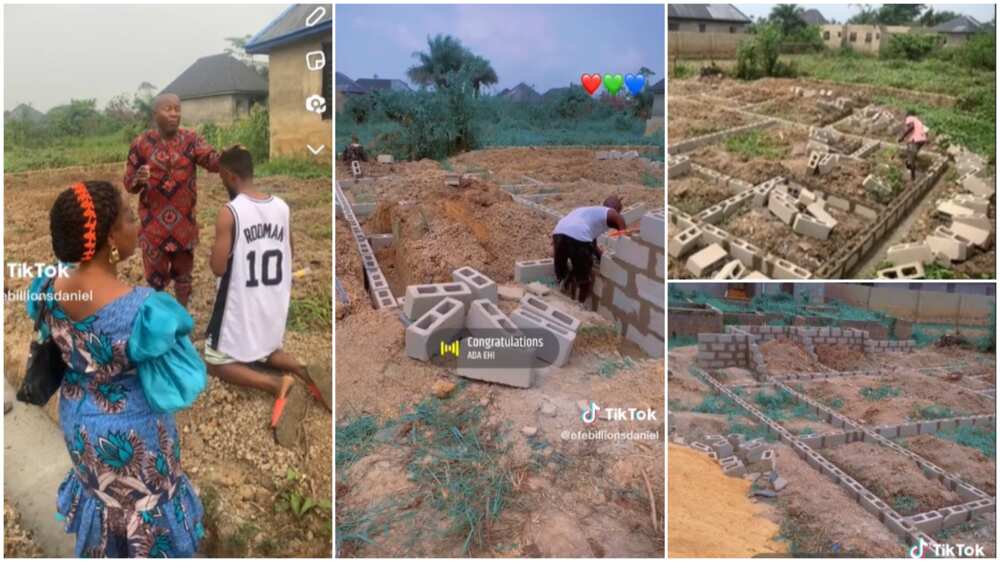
{"x": 245, "y": 480}
{"x": 479, "y": 469}
{"x": 815, "y": 515}
{"x": 700, "y": 106}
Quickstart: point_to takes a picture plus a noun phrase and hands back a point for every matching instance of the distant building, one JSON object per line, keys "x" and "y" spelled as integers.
{"x": 812, "y": 16}
{"x": 345, "y": 89}
{"x": 289, "y": 43}
{"x": 218, "y": 89}
{"x": 867, "y": 39}
{"x": 376, "y": 84}
{"x": 522, "y": 93}
{"x": 706, "y": 18}
{"x": 655, "y": 121}
{"x": 957, "y": 31}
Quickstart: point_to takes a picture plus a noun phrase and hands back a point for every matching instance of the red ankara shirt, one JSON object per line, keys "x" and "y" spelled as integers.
{"x": 167, "y": 203}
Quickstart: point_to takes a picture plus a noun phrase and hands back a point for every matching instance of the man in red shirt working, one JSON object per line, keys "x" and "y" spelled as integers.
{"x": 915, "y": 135}
{"x": 161, "y": 168}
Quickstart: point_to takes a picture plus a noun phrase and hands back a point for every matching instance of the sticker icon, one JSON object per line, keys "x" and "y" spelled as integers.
{"x": 315, "y": 60}
{"x": 316, "y": 103}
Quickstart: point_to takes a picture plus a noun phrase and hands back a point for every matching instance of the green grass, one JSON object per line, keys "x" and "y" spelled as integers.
{"x": 355, "y": 439}
{"x": 310, "y": 313}
{"x": 835, "y": 403}
{"x": 294, "y": 167}
{"x": 982, "y": 438}
{"x": 718, "y": 404}
{"x": 652, "y": 180}
{"x": 610, "y": 367}
{"x": 934, "y": 412}
{"x": 974, "y": 130}
{"x": 681, "y": 341}
{"x": 65, "y": 152}
{"x": 905, "y": 504}
{"x": 751, "y": 431}
{"x": 874, "y": 394}
{"x": 755, "y": 144}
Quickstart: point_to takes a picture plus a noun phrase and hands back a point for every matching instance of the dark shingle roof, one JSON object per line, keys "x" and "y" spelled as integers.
{"x": 710, "y": 12}
{"x": 291, "y": 26}
{"x": 659, "y": 86}
{"x": 217, "y": 75}
{"x": 812, "y": 16}
{"x": 961, "y": 24}
{"x": 372, "y": 84}
{"x": 345, "y": 84}
{"x": 523, "y": 93}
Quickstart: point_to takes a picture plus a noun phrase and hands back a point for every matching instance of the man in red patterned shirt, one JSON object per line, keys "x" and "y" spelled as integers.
{"x": 161, "y": 168}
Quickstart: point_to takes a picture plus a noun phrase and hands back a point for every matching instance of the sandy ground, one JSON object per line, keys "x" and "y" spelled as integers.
{"x": 229, "y": 452}
{"x": 565, "y": 498}
{"x": 710, "y": 514}
{"x": 17, "y": 541}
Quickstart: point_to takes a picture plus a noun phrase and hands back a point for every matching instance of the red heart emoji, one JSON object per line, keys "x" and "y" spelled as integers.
{"x": 591, "y": 82}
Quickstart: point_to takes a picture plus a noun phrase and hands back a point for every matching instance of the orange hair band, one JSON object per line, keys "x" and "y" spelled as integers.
{"x": 89, "y": 220}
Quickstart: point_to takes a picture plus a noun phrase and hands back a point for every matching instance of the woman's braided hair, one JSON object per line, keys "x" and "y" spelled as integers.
{"x": 81, "y": 219}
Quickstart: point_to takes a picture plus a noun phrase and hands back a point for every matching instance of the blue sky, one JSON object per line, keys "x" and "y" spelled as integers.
{"x": 842, "y": 12}
{"x": 545, "y": 46}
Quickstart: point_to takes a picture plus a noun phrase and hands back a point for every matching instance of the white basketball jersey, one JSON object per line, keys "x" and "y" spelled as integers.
{"x": 251, "y": 304}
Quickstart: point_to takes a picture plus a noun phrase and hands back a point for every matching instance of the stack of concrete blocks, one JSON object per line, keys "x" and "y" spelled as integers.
{"x": 629, "y": 288}
{"x": 884, "y": 346}
{"x": 375, "y": 282}
{"x": 486, "y": 320}
{"x": 718, "y": 351}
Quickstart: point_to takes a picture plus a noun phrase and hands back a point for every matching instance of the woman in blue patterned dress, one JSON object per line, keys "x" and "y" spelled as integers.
{"x": 130, "y": 365}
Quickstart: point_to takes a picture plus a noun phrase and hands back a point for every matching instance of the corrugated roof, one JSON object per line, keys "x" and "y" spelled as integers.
{"x": 812, "y": 16}
{"x": 345, "y": 84}
{"x": 291, "y": 26}
{"x": 961, "y": 24}
{"x": 217, "y": 75}
{"x": 710, "y": 12}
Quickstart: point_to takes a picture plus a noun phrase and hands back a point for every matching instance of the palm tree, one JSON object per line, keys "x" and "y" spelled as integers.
{"x": 482, "y": 72}
{"x": 444, "y": 54}
{"x": 788, "y": 17}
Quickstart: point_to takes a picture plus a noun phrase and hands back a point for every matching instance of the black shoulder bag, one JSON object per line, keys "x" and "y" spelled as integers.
{"x": 45, "y": 369}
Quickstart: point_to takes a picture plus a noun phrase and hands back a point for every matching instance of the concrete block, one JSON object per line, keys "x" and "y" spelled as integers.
{"x": 818, "y": 210}
{"x": 384, "y": 158}
{"x": 976, "y": 204}
{"x": 534, "y": 270}
{"x": 558, "y": 346}
{"x": 440, "y": 324}
{"x": 928, "y": 522}
{"x": 782, "y": 207}
{"x": 685, "y": 241}
{"x": 946, "y": 244}
{"x": 908, "y": 253}
{"x": 952, "y": 209}
{"x": 756, "y": 275}
{"x": 976, "y": 236}
{"x": 421, "y": 298}
{"x": 549, "y": 312}
{"x": 521, "y": 377}
{"x": 612, "y": 271}
{"x": 977, "y": 220}
{"x": 653, "y": 228}
{"x": 706, "y": 260}
{"x": 732, "y": 270}
{"x": 804, "y": 224}
{"x": 482, "y": 287}
{"x": 631, "y": 252}
{"x": 979, "y": 186}
{"x": 650, "y": 290}
{"x": 656, "y": 325}
{"x": 652, "y": 345}
{"x": 625, "y": 303}
{"x": 914, "y": 270}
{"x": 954, "y": 515}
{"x": 633, "y": 213}
{"x": 784, "y": 269}
{"x": 748, "y": 254}
{"x": 379, "y": 241}
{"x": 484, "y": 315}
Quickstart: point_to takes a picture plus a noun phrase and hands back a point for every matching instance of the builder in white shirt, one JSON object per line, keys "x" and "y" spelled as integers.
{"x": 574, "y": 244}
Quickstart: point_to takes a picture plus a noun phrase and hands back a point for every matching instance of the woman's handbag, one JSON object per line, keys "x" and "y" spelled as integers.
{"x": 45, "y": 368}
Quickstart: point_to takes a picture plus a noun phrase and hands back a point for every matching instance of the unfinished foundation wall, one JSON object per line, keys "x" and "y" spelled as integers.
{"x": 718, "y": 351}
{"x": 689, "y": 322}
{"x": 629, "y": 288}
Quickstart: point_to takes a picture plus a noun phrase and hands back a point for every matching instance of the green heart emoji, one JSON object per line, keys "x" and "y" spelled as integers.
{"x": 613, "y": 83}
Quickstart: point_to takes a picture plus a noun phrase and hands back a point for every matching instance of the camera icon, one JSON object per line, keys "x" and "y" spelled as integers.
{"x": 316, "y": 103}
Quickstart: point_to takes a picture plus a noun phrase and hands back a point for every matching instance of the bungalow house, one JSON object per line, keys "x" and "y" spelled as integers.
{"x": 655, "y": 121}
{"x": 218, "y": 89}
{"x": 522, "y": 93}
{"x": 959, "y": 30}
{"x": 295, "y": 42}
{"x": 345, "y": 89}
{"x": 812, "y": 16}
{"x": 706, "y": 18}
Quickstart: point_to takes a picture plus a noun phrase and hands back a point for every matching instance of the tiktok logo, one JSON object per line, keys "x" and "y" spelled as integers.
{"x": 917, "y": 550}
{"x": 590, "y": 414}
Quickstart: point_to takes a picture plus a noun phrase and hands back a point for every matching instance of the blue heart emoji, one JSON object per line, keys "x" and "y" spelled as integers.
{"x": 634, "y": 83}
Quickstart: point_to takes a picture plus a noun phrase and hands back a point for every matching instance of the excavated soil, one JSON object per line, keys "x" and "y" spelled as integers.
{"x": 840, "y": 357}
{"x": 703, "y": 501}
{"x": 787, "y": 356}
{"x": 971, "y": 464}
{"x": 801, "y": 110}
{"x": 892, "y": 477}
{"x": 689, "y": 118}
{"x": 554, "y": 165}
{"x": 692, "y": 194}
